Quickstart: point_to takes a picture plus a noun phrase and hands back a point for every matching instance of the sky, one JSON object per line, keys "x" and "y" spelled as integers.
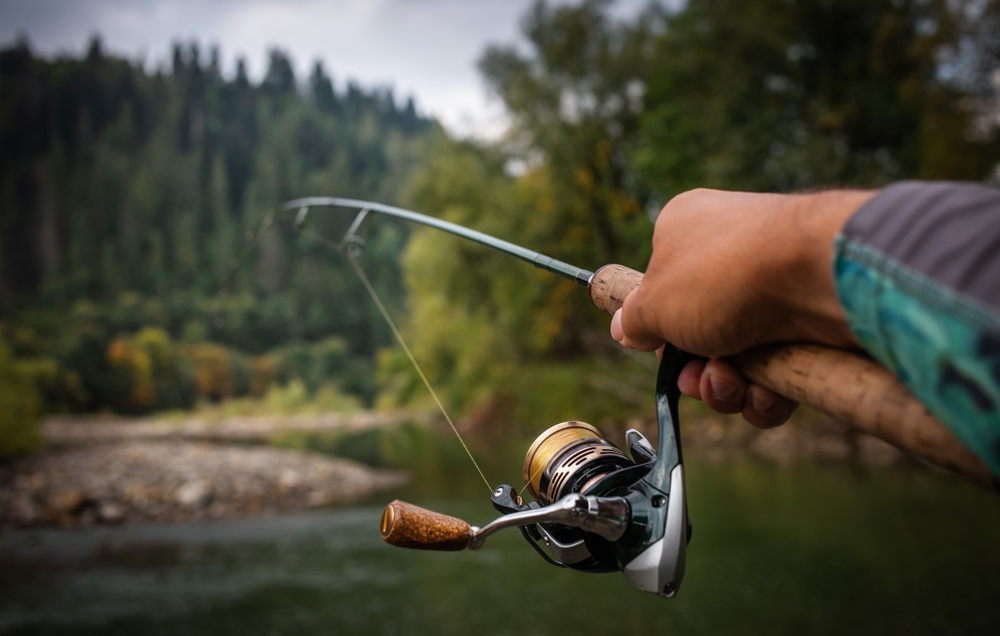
{"x": 424, "y": 48}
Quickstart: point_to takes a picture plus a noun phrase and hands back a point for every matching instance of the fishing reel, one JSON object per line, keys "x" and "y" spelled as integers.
{"x": 596, "y": 509}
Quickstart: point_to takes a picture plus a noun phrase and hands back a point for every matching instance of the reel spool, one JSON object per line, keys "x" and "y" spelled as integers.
{"x": 569, "y": 458}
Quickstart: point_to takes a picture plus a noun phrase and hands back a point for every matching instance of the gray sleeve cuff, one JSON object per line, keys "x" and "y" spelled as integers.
{"x": 949, "y": 232}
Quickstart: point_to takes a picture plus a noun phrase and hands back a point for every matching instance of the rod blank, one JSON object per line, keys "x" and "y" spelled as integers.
{"x": 541, "y": 261}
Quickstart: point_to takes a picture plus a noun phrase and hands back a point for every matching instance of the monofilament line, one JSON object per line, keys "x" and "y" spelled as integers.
{"x": 528, "y": 483}
{"x": 402, "y": 343}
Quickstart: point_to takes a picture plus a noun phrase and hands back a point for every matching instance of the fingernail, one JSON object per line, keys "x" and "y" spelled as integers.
{"x": 761, "y": 401}
{"x": 723, "y": 389}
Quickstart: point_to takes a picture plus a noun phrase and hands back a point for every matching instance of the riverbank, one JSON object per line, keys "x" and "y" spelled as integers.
{"x": 176, "y": 480}
{"x": 111, "y": 470}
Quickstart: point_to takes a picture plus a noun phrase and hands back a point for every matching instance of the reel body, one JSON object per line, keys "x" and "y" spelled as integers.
{"x": 595, "y": 510}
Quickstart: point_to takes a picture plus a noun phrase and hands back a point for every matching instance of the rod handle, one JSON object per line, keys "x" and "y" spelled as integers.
{"x": 407, "y": 526}
{"x": 846, "y": 385}
{"x": 610, "y": 285}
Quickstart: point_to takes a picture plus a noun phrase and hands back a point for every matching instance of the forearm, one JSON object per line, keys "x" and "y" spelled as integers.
{"x": 911, "y": 274}
{"x": 801, "y": 278}
{"x": 917, "y": 272}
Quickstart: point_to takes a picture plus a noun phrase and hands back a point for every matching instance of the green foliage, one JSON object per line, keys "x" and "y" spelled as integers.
{"x": 127, "y": 200}
{"x": 500, "y": 340}
{"x": 611, "y": 118}
{"x": 314, "y": 364}
{"x": 475, "y": 316}
{"x": 20, "y": 407}
{"x": 780, "y": 96}
{"x": 90, "y": 360}
{"x": 576, "y": 102}
{"x": 147, "y": 371}
{"x": 112, "y": 180}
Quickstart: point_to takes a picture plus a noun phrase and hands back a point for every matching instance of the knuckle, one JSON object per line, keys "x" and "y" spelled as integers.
{"x": 690, "y": 196}
{"x": 773, "y": 418}
{"x": 677, "y": 206}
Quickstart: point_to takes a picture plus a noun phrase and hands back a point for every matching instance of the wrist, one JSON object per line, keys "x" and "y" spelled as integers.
{"x": 806, "y": 287}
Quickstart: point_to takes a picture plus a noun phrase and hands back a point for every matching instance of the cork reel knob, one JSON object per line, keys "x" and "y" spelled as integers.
{"x": 407, "y": 526}
{"x": 611, "y": 284}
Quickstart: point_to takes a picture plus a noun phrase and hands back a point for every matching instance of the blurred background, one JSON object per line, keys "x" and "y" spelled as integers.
{"x": 202, "y": 414}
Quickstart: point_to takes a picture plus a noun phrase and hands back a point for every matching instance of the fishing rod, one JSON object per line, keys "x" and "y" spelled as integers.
{"x": 598, "y": 509}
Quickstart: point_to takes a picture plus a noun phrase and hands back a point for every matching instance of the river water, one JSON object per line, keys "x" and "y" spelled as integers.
{"x": 776, "y": 550}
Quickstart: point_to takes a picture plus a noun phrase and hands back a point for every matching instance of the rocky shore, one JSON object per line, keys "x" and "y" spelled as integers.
{"x": 175, "y": 480}
{"x": 117, "y": 470}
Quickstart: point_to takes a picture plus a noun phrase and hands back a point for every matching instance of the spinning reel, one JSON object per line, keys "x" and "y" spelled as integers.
{"x": 596, "y": 509}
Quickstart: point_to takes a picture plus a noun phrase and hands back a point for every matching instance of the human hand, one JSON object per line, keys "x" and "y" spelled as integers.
{"x": 731, "y": 271}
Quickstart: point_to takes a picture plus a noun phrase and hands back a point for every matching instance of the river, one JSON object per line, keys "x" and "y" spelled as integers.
{"x": 807, "y": 549}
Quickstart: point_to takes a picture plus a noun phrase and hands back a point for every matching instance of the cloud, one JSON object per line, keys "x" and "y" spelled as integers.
{"x": 424, "y": 48}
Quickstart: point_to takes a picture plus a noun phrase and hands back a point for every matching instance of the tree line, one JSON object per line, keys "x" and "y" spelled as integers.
{"x": 125, "y": 196}
{"x": 612, "y": 117}
{"x": 128, "y": 198}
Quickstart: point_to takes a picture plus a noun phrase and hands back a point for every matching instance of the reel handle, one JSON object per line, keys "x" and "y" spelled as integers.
{"x": 407, "y": 526}
{"x": 846, "y": 385}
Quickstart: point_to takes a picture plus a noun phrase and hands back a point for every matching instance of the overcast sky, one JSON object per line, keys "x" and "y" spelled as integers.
{"x": 424, "y": 48}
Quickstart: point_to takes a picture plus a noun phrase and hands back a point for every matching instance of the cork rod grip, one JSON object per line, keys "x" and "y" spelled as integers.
{"x": 407, "y": 526}
{"x": 610, "y": 285}
{"x": 851, "y": 387}
{"x": 864, "y": 394}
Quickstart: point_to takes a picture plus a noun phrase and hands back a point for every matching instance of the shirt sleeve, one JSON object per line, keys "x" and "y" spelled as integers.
{"x": 917, "y": 271}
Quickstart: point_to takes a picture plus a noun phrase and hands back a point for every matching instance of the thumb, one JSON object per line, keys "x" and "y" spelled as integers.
{"x": 630, "y": 329}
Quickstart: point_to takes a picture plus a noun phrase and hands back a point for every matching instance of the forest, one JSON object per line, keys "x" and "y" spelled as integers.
{"x": 136, "y": 275}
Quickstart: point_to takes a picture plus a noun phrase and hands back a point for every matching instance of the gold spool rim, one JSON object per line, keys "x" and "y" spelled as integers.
{"x": 547, "y": 433}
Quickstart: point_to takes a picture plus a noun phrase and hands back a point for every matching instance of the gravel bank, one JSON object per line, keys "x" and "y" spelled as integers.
{"x": 176, "y": 480}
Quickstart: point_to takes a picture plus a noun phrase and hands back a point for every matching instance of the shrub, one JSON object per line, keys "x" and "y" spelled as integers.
{"x": 20, "y": 407}
{"x": 313, "y": 364}
{"x": 148, "y": 372}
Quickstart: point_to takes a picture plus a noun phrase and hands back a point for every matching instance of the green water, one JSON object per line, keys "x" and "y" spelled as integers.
{"x": 807, "y": 550}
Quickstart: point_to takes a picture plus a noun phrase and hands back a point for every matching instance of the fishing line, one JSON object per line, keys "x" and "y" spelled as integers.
{"x": 416, "y": 365}
{"x": 530, "y": 479}
{"x": 399, "y": 338}
{"x": 268, "y": 221}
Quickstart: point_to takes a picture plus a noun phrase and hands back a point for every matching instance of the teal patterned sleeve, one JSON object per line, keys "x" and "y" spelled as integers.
{"x": 942, "y": 343}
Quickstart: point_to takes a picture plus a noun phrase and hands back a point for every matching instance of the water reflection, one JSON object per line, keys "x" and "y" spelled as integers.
{"x": 819, "y": 550}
